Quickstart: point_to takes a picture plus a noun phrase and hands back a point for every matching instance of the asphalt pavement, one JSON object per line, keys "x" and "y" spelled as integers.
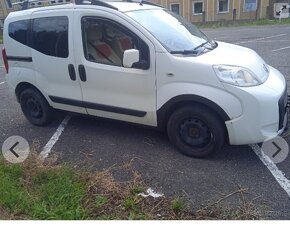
{"x": 100, "y": 144}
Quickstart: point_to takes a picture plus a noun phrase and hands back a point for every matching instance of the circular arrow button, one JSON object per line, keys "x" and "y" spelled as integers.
{"x": 276, "y": 149}
{"x": 15, "y": 149}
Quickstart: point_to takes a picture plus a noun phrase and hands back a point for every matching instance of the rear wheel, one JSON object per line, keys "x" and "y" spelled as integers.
{"x": 35, "y": 107}
{"x": 196, "y": 131}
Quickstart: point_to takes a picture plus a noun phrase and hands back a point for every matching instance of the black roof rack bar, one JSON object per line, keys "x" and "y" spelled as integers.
{"x": 95, "y": 2}
{"x": 150, "y": 3}
{"x": 142, "y": 2}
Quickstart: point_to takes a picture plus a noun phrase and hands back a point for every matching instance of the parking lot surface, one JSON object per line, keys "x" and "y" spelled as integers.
{"x": 100, "y": 144}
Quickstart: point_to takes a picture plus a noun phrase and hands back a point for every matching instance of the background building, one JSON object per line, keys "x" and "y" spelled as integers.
{"x": 218, "y": 10}
{"x": 196, "y": 10}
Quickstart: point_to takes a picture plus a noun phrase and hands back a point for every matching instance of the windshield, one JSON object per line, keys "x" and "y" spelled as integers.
{"x": 174, "y": 32}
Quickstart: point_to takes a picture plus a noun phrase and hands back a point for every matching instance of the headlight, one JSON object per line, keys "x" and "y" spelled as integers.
{"x": 236, "y": 75}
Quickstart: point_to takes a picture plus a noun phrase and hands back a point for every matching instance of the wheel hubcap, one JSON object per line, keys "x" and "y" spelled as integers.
{"x": 34, "y": 107}
{"x": 195, "y": 133}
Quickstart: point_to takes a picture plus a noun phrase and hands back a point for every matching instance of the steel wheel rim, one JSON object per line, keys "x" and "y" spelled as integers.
{"x": 34, "y": 108}
{"x": 195, "y": 133}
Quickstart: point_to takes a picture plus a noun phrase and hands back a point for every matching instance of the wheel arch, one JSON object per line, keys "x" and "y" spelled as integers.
{"x": 174, "y": 103}
{"x": 22, "y": 86}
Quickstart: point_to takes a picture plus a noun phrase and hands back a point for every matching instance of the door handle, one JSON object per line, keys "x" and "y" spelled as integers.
{"x": 82, "y": 73}
{"x": 72, "y": 72}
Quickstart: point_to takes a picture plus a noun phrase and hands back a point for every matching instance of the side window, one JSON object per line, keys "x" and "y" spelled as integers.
{"x": 106, "y": 41}
{"x": 18, "y": 31}
{"x": 50, "y": 36}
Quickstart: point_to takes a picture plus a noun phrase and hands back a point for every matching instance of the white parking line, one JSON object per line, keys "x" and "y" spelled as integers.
{"x": 47, "y": 148}
{"x": 2, "y": 82}
{"x": 276, "y": 41}
{"x": 278, "y": 174}
{"x": 279, "y": 49}
{"x": 259, "y": 39}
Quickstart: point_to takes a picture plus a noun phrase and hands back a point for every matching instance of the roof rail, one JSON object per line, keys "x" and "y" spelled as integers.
{"x": 142, "y": 2}
{"x": 26, "y": 4}
{"x": 95, "y": 2}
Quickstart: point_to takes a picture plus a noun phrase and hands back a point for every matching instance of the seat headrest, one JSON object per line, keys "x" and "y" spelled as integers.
{"x": 126, "y": 43}
{"x": 94, "y": 33}
{"x": 113, "y": 32}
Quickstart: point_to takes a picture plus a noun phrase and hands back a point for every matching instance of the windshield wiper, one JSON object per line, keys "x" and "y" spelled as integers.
{"x": 203, "y": 44}
{"x": 196, "y": 50}
{"x": 185, "y": 52}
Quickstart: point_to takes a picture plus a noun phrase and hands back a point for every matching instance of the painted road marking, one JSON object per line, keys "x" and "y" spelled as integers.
{"x": 276, "y": 41}
{"x": 278, "y": 174}
{"x": 259, "y": 39}
{"x": 47, "y": 148}
{"x": 279, "y": 49}
{"x": 2, "y": 82}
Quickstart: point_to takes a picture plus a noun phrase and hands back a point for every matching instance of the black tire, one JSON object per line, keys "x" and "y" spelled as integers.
{"x": 196, "y": 131}
{"x": 35, "y": 107}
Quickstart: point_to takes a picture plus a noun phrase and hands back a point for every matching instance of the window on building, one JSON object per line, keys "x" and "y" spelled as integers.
{"x": 50, "y": 36}
{"x": 250, "y": 5}
{"x": 197, "y": 8}
{"x": 8, "y": 4}
{"x": 223, "y": 5}
{"x": 175, "y": 8}
{"x": 1, "y": 24}
{"x": 35, "y": 4}
{"x": 18, "y": 31}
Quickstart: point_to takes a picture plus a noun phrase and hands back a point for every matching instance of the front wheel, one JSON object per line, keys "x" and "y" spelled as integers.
{"x": 196, "y": 131}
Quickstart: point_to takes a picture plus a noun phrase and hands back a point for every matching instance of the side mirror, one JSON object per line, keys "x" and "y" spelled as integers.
{"x": 130, "y": 57}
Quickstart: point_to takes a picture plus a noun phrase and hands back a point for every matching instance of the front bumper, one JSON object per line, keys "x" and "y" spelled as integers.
{"x": 265, "y": 111}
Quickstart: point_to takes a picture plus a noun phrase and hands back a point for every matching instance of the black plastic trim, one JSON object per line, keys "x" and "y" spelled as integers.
{"x": 165, "y": 111}
{"x": 72, "y": 72}
{"x": 90, "y": 105}
{"x": 19, "y": 58}
{"x": 282, "y": 104}
{"x": 95, "y": 2}
{"x": 82, "y": 73}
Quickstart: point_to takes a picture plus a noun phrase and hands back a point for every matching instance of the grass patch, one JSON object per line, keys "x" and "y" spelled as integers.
{"x": 178, "y": 205}
{"x": 1, "y": 38}
{"x": 48, "y": 193}
{"x": 101, "y": 201}
{"x": 259, "y": 22}
{"x": 34, "y": 190}
{"x": 58, "y": 194}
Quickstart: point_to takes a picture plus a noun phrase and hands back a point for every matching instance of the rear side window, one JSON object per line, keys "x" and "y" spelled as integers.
{"x": 50, "y": 36}
{"x": 18, "y": 31}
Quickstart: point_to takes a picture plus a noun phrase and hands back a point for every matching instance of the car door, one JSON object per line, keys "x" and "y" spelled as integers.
{"x": 53, "y": 59}
{"x": 109, "y": 89}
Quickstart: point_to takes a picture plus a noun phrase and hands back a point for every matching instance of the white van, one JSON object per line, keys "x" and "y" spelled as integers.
{"x": 141, "y": 63}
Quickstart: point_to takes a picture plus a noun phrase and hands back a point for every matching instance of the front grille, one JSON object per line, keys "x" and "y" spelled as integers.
{"x": 283, "y": 102}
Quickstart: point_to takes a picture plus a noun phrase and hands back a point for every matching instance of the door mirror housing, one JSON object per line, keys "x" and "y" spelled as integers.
{"x": 130, "y": 57}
